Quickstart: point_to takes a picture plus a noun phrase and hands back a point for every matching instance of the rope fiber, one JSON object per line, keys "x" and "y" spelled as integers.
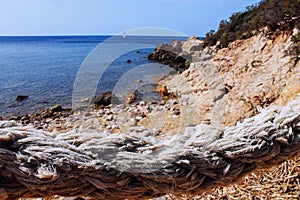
{"x": 37, "y": 163}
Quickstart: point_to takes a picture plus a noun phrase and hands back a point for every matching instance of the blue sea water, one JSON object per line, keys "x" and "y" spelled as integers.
{"x": 45, "y": 68}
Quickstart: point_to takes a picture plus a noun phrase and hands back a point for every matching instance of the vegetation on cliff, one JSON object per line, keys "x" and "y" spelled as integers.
{"x": 268, "y": 16}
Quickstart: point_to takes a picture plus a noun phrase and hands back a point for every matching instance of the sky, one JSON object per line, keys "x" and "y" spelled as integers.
{"x": 108, "y": 17}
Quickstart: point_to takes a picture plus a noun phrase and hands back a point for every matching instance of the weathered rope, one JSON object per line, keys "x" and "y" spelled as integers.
{"x": 36, "y": 163}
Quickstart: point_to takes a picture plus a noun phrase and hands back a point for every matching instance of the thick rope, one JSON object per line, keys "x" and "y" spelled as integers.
{"x": 36, "y": 163}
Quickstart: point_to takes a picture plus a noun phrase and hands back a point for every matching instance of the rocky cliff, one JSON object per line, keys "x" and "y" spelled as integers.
{"x": 238, "y": 81}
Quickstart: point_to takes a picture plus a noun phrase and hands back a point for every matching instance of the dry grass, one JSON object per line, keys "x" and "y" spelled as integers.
{"x": 278, "y": 182}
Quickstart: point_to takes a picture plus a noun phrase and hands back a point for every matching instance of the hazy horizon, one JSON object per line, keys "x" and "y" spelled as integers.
{"x": 103, "y": 17}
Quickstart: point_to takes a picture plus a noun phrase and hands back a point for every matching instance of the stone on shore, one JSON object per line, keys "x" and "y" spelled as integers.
{"x": 132, "y": 98}
{"x": 56, "y": 108}
{"x": 103, "y": 100}
{"x": 14, "y": 117}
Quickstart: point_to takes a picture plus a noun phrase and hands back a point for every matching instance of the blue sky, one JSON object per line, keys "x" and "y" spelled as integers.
{"x": 101, "y": 17}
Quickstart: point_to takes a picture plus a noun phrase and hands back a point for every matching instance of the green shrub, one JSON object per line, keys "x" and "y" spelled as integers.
{"x": 275, "y": 15}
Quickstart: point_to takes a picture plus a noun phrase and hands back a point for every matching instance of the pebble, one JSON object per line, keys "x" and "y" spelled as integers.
{"x": 26, "y": 122}
{"x": 132, "y": 122}
{"x": 159, "y": 109}
{"x": 176, "y": 111}
{"x": 109, "y": 118}
{"x": 114, "y": 127}
{"x": 100, "y": 113}
{"x": 137, "y": 129}
{"x": 175, "y": 102}
{"x": 25, "y": 117}
{"x": 156, "y": 131}
{"x": 87, "y": 114}
{"x": 138, "y": 118}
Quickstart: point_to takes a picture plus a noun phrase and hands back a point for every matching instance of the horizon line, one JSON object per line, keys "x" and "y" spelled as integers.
{"x": 45, "y": 35}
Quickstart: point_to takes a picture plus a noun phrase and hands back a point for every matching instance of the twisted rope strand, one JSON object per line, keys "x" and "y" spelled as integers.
{"x": 37, "y": 163}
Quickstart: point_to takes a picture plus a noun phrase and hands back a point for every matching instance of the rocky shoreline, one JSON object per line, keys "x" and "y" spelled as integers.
{"x": 132, "y": 116}
{"x": 230, "y": 84}
{"x": 41, "y": 119}
{"x": 216, "y": 85}
{"x": 179, "y": 55}
{"x": 155, "y": 118}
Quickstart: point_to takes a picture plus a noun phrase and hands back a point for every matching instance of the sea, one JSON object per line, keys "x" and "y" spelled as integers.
{"x": 45, "y": 68}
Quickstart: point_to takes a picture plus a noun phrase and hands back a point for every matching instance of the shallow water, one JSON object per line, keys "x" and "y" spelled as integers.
{"x": 45, "y": 68}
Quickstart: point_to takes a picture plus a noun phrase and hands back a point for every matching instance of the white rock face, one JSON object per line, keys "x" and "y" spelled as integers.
{"x": 239, "y": 80}
{"x": 192, "y": 45}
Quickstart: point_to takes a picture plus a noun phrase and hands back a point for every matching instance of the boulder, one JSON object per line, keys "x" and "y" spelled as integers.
{"x": 14, "y": 118}
{"x": 177, "y": 45}
{"x": 179, "y": 54}
{"x": 191, "y": 45}
{"x": 169, "y": 48}
{"x": 132, "y": 98}
{"x": 153, "y": 56}
{"x": 46, "y": 114}
{"x": 56, "y": 108}
{"x": 182, "y": 57}
{"x": 104, "y": 99}
{"x": 163, "y": 91}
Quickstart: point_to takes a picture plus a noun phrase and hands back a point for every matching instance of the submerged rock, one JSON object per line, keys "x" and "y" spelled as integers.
{"x": 22, "y": 97}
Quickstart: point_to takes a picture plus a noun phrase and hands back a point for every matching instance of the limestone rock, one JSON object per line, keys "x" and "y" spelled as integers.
{"x": 178, "y": 55}
{"x": 237, "y": 82}
{"x": 191, "y": 45}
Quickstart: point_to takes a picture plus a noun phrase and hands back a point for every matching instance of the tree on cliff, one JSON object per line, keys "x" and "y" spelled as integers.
{"x": 269, "y": 16}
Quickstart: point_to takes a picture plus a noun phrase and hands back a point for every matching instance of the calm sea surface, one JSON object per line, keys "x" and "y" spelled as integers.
{"x": 45, "y": 68}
